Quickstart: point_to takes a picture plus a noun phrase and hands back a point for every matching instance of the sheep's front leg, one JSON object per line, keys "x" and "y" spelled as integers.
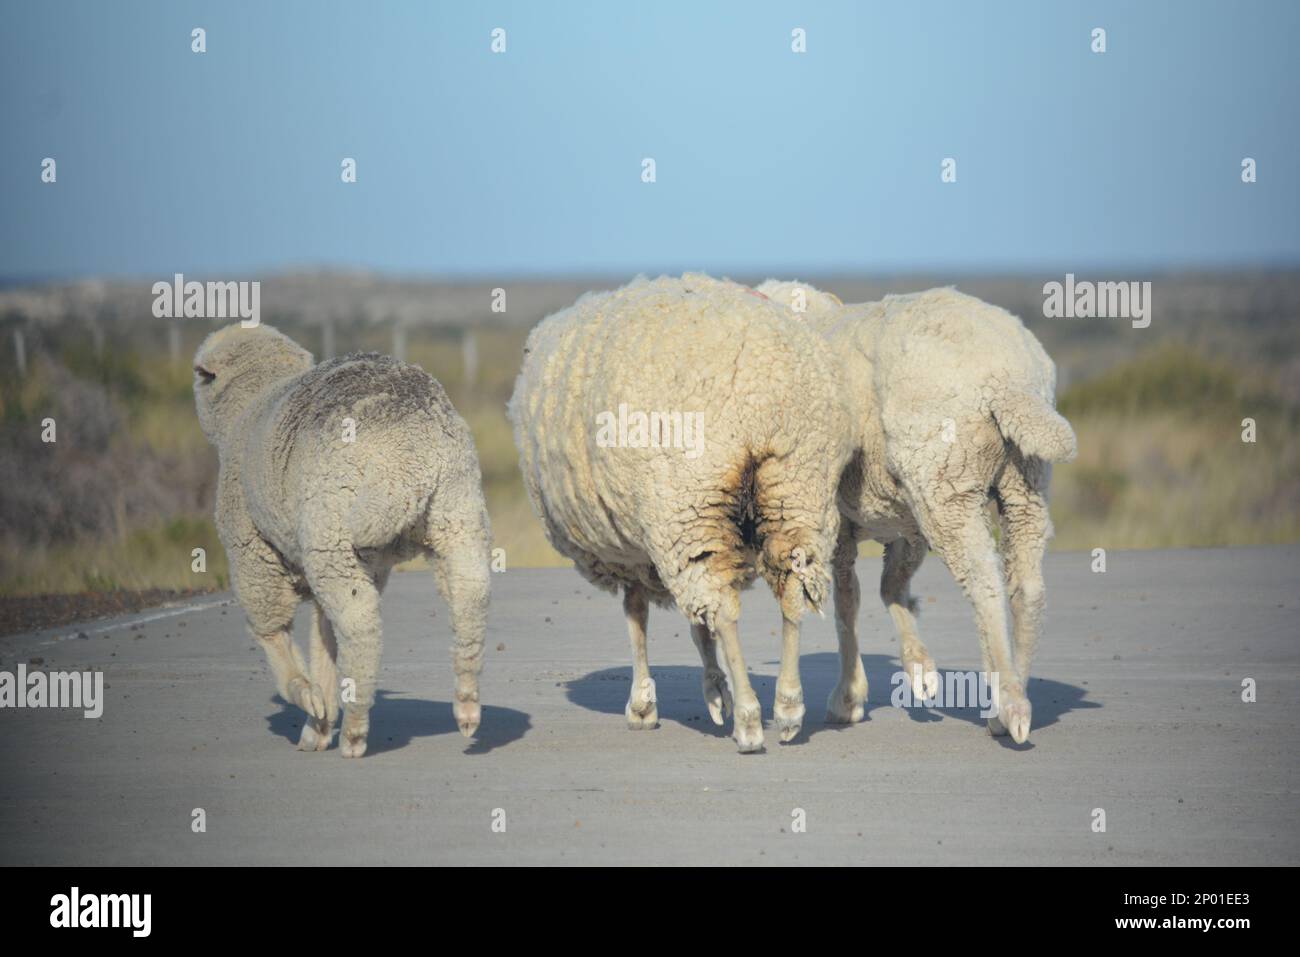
{"x": 748, "y": 719}
{"x": 902, "y": 559}
{"x": 316, "y": 732}
{"x": 847, "y": 703}
{"x": 717, "y": 697}
{"x": 789, "y": 710}
{"x": 642, "y": 711}
{"x": 349, "y": 596}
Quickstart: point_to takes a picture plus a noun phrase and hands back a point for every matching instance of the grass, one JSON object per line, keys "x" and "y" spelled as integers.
{"x": 1161, "y": 463}
{"x": 155, "y": 557}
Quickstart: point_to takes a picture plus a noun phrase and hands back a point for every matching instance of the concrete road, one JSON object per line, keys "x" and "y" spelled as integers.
{"x": 1137, "y": 700}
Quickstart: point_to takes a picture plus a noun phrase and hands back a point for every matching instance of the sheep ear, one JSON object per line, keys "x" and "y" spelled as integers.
{"x": 204, "y": 374}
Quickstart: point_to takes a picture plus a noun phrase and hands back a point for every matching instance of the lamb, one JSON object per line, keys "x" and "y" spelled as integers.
{"x": 953, "y": 404}
{"x": 330, "y": 475}
{"x": 665, "y": 526}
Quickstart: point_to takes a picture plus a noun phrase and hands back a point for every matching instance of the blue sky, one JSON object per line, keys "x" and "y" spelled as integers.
{"x": 529, "y": 162}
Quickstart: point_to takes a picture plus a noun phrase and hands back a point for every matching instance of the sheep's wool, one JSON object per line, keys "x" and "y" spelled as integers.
{"x": 691, "y": 528}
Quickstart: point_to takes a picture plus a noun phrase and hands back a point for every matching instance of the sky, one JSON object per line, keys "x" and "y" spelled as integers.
{"x": 477, "y": 164}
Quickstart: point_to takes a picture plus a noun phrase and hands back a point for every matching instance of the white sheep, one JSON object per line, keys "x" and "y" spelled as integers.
{"x": 953, "y": 403}
{"x": 330, "y": 475}
{"x": 689, "y": 525}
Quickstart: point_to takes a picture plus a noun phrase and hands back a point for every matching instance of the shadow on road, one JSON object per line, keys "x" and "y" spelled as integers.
{"x": 680, "y": 698}
{"x": 394, "y": 721}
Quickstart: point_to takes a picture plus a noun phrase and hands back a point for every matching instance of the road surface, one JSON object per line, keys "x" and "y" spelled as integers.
{"x": 1138, "y": 712}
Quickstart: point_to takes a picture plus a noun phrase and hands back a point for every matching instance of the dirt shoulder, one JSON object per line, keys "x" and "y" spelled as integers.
{"x": 26, "y": 613}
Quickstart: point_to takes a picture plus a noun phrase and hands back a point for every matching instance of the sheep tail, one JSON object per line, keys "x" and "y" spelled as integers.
{"x": 380, "y": 514}
{"x": 1034, "y": 426}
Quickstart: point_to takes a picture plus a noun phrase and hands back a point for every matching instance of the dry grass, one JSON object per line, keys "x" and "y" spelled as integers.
{"x": 1162, "y": 462}
{"x": 1161, "y": 459}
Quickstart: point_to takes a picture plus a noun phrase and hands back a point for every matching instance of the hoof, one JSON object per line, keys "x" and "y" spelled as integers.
{"x": 847, "y": 704}
{"x": 309, "y": 697}
{"x": 748, "y": 729}
{"x": 315, "y": 736}
{"x": 1016, "y": 717}
{"x": 924, "y": 677}
{"x": 641, "y": 712}
{"x": 468, "y": 714}
{"x": 717, "y": 697}
{"x": 788, "y": 714}
{"x": 352, "y": 737}
{"x": 642, "y": 722}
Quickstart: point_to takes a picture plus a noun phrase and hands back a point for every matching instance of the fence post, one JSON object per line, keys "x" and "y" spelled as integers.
{"x": 399, "y": 340}
{"x": 20, "y": 351}
{"x": 469, "y": 357}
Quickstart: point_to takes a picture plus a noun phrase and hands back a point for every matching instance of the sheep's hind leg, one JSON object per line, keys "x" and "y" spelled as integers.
{"x": 348, "y": 594}
{"x": 747, "y": 721}
{"x": 958, "y": 531}
{"x": 316, "y": 732}
{"x": 847, "y": 703}
{"x": 902, "y": 559}
{"x": 641, "y": 711}
{"x": 267, "y": 593}
{"x": 789, "y": 710}
{"x": 1026, "y": 529}
{"x": 287, "y": 666}
{"x": 717, "y": 697}
{"x": 462, "y": 572}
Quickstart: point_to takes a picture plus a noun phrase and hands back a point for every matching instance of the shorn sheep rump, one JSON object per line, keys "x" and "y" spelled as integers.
{"x": 953, "y": 404}
{"x": 330, "y": 475}
{"x": 690, "y": 526}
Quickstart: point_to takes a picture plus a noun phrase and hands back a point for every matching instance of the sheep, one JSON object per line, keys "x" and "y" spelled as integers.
{"x": 952, "y": 404}
{"x": 688, "y": 527}
{"x": 330, "y": 475}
